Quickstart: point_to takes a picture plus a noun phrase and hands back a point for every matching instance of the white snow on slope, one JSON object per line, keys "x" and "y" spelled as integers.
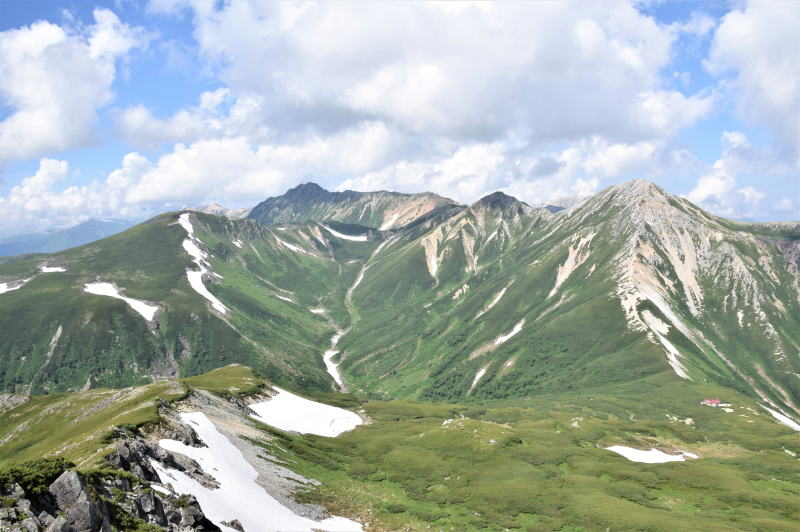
{"x": 389, "y": 223}
{"x": 659, "y": 329}
{"x": 237, "y": 242}
{"x": 504, "y": 338}
{"x": 318, "y": 310}
{"x": 291, "y": 412}
{"x": 284, "y": 298}
{"x": 296, "y": 249}
{"x": 499, "y": 295}
{"x": 783, "y": 419}
{"x": 5, "y": 287}
{"x": 673, "y": 356}
{"x": 238, "y": 496}
{"x": 196, "y": 277}
{"x": 108, "y": 289}
{"x": 331, "y": 366}
{"x": 481, "y": 372}
{"x": 355, "y": 238}
{"x": 52, "y": 269}
{"x": 652, "y": 456}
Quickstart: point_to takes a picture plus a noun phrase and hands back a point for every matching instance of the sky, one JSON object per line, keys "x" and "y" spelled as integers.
{"x": 124, "y": 109}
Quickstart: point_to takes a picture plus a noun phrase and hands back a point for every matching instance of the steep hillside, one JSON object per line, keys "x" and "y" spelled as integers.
{"x": 179, "y": 294}
{"x": 500, "y": 302}
{"x": 380, "y": 210}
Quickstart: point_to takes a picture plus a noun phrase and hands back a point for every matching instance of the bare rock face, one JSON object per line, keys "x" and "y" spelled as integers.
{"x": 81, "y": 512}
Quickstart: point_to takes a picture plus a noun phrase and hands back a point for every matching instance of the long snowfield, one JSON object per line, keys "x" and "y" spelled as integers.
{"x": 195, "y": 277}
{"x": 651, "y": 456}
{"x": 238, "y": 496}
{"x": 290, "y": 412}
{"x": 494, "y": 301}
{"x": 107, "y": 289}
{"x": 783, "y": 419}
{"x": 337, "y": 234}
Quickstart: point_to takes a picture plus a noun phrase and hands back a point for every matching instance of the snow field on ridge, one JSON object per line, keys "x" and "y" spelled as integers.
{"x": 238, "y": 496}
{"x": 195, "y": 277}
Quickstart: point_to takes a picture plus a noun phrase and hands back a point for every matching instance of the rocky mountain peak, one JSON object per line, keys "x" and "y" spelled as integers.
{"x": 497, "y": 200}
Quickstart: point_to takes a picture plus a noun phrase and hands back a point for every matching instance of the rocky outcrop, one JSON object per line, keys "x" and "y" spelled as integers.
{"x": 110, "y": 499}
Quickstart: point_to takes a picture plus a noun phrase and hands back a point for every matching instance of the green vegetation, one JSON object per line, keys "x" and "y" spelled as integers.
{"x": 536, "y": 463}
{"x": 539, "y": 464}
{"x": 233, "y": 380}
{"x": 77, "y": 427}
{"x": 34, "y": 476}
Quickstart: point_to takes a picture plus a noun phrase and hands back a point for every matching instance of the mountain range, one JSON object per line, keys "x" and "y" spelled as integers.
{"x": 533, "y": 339}
{"x": 438, "y": 300}
{"x": 60, "y": 239}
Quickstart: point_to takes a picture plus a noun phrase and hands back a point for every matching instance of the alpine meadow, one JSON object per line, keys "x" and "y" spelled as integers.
{"x": 399, "y": 266}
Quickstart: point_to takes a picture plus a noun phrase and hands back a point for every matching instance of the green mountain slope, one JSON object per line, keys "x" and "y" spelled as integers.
{"x": 56, "y": 336}
{"x": 499, "y": 302}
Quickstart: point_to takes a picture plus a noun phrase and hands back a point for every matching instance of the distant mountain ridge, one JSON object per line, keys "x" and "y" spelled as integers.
{"x": 219, "y": 210}
{"x": 379, "y": 210}
{"x": 60, "y": 239}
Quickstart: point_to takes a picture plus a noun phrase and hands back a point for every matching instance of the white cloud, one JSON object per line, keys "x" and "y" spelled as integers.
{"x": 759, "y": 43}
{"x": 471, "y": 72}
{"x": 227, "y": 170}
{"x": 786, "y": 205}
{"x": 716, "y": 190}
{"x": 54, "y": 80}
{"x": 618, "y": 160}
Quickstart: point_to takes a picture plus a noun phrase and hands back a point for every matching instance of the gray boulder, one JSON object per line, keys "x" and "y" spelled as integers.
{"x": 73, "y": 498}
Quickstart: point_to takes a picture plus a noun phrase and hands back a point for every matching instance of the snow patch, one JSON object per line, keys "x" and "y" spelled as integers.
{"x": 238, "y": 496}
{"x": 505, "y": 337}
{"x": 7, "y": 287}
{"x": 296, "y": 249}
{"x": 283, "y": 298}
{"x": 389, "y": 223}
{"x": 318, "y": 310}
{"x": 481, "y": 372}
{"x": 291, "y": 412}
{"x": 783, "y": 419}
{"x": 52, "y": 269}
{"x": 108, "y": 289}
{"x": 652, "y": 456}
{"x": 673, "y": 356}
{"x": 355, "y": 238}
{"x": 237, "y": 242}
{"x": 332, "y": 366}
{"x": 499, "y": 295}
{"x": 195, "y": 277}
